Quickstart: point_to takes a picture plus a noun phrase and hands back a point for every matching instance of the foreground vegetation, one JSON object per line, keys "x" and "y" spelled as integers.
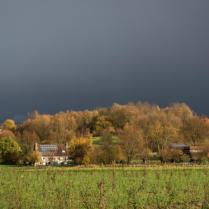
{"x": 104, "y": 188}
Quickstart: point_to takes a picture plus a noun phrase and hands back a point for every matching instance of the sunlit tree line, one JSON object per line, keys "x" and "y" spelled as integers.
{"x": 136, "y": 132}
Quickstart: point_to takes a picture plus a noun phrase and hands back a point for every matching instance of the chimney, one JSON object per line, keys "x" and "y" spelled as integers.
{"x": 67, "y": 146}
{"x": 36, "y": 147}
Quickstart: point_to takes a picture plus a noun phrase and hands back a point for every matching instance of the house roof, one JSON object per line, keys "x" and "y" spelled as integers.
{"x": 52, "y": 149}
{"x": 179, "y": 146}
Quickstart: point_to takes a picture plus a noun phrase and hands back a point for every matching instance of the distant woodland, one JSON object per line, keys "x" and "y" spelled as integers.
{"x": 136, "y": 132}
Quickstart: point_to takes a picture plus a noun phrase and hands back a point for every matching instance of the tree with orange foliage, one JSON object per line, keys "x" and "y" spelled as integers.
{"x": 132, "y": 142}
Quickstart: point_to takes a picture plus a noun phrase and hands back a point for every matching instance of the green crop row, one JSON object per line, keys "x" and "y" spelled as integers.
{"x": 30, "y": 188}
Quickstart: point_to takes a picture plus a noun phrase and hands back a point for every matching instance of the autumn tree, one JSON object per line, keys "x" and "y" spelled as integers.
{"x": 102, "y": 124}
{"x": 9, "y": 124}
{"x": 160, "y": 133}
{"x": 132, "y": 142}
{"x": 80, "y": 150}
{"x": 7, "y": 133}
{"x": 119, "y": 116}
{"x": 59, "y": 131}
{"x": 84, "y": 122}
{"x": 40, "y": 124}
{"x": 27, "y": 141}
{"x": 109, "y": 150}
{"x": 181, "y": 110}
{"x": 195, "y": 130}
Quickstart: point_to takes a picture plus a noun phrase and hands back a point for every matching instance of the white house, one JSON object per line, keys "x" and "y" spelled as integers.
{"x": 52, "y": 153}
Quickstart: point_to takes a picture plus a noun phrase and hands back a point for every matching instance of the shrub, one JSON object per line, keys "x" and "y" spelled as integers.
{"x": 171, "y": 155}
{"x": 9, "y": 150}
{"x": 31, "y": 158}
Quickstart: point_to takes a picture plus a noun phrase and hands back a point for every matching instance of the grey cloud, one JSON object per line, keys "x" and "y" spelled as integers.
{"x": 58, "y": 55}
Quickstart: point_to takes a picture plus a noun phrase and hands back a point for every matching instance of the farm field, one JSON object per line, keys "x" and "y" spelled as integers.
{"x": 104, "y": 188}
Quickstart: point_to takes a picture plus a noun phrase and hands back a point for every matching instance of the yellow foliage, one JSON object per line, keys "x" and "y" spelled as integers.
{"x": 80, "y": 149}
{"x": 81, "y": 141}
{"x": 9, "y": 124}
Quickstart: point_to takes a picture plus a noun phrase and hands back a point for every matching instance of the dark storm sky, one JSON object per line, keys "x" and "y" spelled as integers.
{"x": 73, "y": 54}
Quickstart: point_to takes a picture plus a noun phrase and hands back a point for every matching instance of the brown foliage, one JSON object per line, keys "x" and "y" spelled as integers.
{"x": 131, "y": 141}
{"x": 128, "y": 131}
